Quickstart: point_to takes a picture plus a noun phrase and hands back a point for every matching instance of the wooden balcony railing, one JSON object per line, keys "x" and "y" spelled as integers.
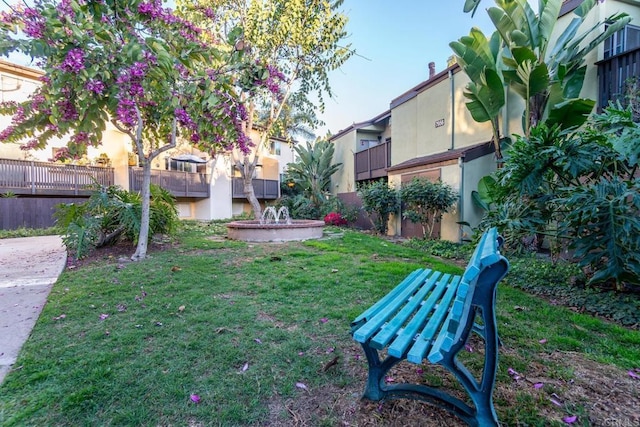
{"x": 373, "y": 162}
{"x": 179, "y": 184}
{"x": 265, "y": 189}
{"x": 614, "y": 74}
{"x": 43, "y": 178}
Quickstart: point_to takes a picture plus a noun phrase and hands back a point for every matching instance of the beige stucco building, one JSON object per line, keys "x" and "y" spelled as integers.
{"x": 428, "y": 131}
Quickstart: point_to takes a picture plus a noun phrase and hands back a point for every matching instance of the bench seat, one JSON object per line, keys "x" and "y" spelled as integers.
{"x": 429, "y": 317}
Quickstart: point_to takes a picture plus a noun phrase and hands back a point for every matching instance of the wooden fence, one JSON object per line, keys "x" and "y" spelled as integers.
{"x": 31, "y": 212}
{"x": 178, "y": 183}
{"x": 264, "y": 189}
{"x": 25, "y": 177}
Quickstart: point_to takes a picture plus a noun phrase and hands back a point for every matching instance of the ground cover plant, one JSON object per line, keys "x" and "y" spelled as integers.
{"x": 27, "y": 232}
{"x": 208, "y": 332}
{"x": 559, "y": 281}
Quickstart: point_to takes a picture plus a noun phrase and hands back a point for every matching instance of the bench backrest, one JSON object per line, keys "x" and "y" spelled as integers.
{"x": 485, "y": 269}
{"x": 477, "y": 287}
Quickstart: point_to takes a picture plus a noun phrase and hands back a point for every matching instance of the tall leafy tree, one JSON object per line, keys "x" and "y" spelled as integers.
{"x": 519, "y": 54}
{"x": 293, "y": 44}
{"x": 132, "y": 63}
{"x": 313, "y": 170}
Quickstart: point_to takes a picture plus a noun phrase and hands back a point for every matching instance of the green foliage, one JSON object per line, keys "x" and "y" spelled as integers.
{"x": 548, "y": 77}
{"x": 299, "y": 207}
{"x": 313, "y": 170}
{"x": 604, "y": 219}
{"x": 297, "y": 44}
{"x": 579, "y": 188}
{"x": 28, "y": 232}
{"x": 487, "y": 193}
{"x": 379, "y": 200}
{"x": 349, "y": 213}
{"x": 426, "y": 201}
{"x": 519, "y": 221}
{"x": 443, "y": 248}
{"x": 112, "y": 214}
{"x": 153, "y": 75}
{"x": 564, "y": 283}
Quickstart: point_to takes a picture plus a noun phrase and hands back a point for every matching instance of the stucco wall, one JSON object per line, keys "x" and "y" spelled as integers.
{"x": 343, "y": 181}
{"x": 435, "y": 120}
{"x": 471, "y": 173}
{"x": 404, "y": 132}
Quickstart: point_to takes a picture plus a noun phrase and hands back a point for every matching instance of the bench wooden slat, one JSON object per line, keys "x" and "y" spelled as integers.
{"x": 423, "y": 342}
{"x": 408, "y": 334}
{"x": 446, "y": 337}
{"x": 373, "y": 310}
{"x": 388, "y": 331}
{"x": 373, "y": 324}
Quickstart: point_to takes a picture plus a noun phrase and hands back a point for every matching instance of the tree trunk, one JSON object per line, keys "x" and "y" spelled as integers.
{"x": 247, "y": 186}
{"x": 143, "y": 237}
{"x": 496, "y": 141}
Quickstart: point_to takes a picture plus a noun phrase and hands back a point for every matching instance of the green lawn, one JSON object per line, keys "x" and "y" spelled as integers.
{"x": 251, "y": 330}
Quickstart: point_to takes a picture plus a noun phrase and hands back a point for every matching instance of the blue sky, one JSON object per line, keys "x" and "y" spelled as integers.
{"x": 395, "y": 41}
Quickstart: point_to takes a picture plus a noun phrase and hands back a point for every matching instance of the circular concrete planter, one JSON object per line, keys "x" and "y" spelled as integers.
{"x": 253, "y": 231}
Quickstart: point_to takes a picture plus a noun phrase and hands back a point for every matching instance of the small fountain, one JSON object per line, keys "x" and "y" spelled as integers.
{"x": 275, "y": 226}
{"x": 270, "y": 216}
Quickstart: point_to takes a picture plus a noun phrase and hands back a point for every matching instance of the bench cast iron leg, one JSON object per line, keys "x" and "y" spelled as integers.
{"x": 481, "y": 394}
{"x": 377, "y": 390}
{"x": 378, "y": 369}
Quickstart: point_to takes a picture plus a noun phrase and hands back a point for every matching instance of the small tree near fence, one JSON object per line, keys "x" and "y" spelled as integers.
{"x": 379, "y": 200}
{"x": 426, "y": 201}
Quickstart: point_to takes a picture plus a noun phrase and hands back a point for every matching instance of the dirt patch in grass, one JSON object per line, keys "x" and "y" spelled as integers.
{"x": 597, "y": 394}
{"x": 603, "y": 394}
{"x": 118, "y": 253}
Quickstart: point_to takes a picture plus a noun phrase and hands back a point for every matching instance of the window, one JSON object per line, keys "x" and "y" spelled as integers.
{"x": 177, "y": 165}
{"x": 275, "y": 148}
{"x": 626, "y": 39}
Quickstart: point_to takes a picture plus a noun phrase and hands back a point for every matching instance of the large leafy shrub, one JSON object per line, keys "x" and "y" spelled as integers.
{"x": 313, "y": 170}
{"x": 112, "y": 214}
{"x": 379, "y": 200}
{"x": 580, "y": 189}
{"x": 425, "y": 201}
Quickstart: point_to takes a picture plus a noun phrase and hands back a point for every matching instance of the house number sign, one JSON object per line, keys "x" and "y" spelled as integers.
{"x": 439, "y": 123}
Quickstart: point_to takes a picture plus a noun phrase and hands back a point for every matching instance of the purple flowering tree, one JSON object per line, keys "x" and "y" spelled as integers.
{"x": 293, "y": 44}
{"x": 132, "y": 63}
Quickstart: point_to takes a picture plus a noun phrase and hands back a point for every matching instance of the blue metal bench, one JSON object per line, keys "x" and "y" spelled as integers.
{"x": 431, "y": 315}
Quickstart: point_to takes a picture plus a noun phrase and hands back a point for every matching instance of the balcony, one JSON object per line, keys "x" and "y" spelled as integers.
{"x": 373, "y": 162}
{"x": 25, "y": 177}
{"x": 614, "y": 73}
{"x": 179, "y": 184}
{"x": 265, "y": 189}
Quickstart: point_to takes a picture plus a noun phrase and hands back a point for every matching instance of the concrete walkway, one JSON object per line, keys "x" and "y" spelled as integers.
{"x": 28, "y": 268}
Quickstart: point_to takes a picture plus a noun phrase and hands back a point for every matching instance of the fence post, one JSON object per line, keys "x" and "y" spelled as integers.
{"x": 75, "y": 180}
{"x": 33, "y": 177}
